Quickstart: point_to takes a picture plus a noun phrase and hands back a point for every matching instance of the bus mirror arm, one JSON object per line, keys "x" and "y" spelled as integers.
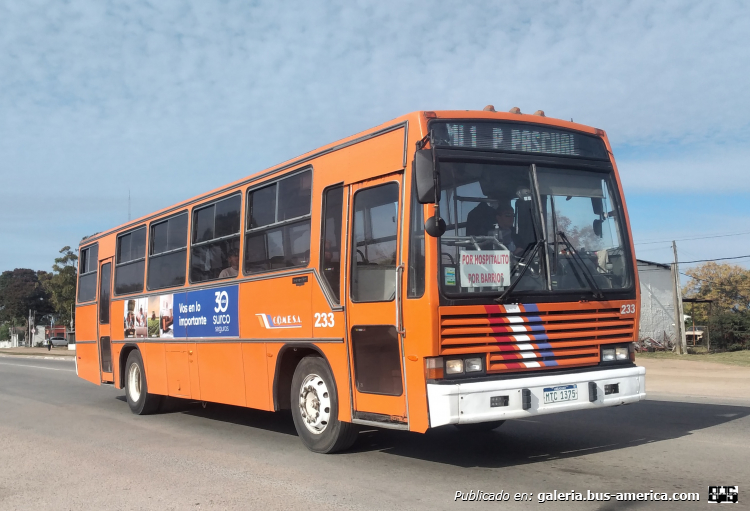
{"x": 427, "y": 180}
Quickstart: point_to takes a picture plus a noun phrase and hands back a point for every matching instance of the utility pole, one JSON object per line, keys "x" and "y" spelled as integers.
{"x": 128, "y": 204}
{"x": 30, "y": 326}
{"x": 679, "y": 325}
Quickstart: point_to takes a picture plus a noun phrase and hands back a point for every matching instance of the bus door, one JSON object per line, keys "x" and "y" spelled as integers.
{"x": 105, "y": 346}
{"x": 374, "y": 240}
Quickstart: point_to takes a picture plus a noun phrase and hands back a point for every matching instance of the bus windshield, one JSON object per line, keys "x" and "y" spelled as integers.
{"x": 554, "y": 229}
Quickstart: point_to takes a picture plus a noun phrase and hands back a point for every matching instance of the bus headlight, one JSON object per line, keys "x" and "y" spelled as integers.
{"x": 454, "y": 366}
{"x": 473, "y": 365}
{"x": 616, "y": 352}
{"x": 608, "y": 354}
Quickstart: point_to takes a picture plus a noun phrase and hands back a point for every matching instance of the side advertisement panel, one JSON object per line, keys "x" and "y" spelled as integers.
{"x": 207, "y": 313}
{"x": 201, "y": 313}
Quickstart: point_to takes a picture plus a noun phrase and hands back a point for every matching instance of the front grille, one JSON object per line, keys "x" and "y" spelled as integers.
{"x": 532, "y": 337}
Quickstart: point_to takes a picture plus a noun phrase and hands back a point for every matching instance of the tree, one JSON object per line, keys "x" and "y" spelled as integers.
{"x": 4, "y": 332}
{"x": 581, "y": 237}
{"x": 728, "y": 285}
{"x": 61, "y": 285}
{"x": 21, "y": 290}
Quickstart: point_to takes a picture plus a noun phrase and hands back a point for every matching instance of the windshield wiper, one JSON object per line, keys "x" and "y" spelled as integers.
{"x": 526, "y": 262}
{"x": 595, "y": 289}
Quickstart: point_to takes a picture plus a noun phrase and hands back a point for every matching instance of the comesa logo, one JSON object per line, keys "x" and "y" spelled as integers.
{"x": 273, "y": 322}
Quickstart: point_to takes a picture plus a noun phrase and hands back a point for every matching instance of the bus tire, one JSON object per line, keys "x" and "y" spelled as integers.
{"x": 315, "y": 408}
{"x": 477, "y": 427}
{"x": 136, "y": 387}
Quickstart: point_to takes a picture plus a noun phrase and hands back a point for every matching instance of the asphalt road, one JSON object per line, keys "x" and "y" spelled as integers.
{"x": 68, "y": 444}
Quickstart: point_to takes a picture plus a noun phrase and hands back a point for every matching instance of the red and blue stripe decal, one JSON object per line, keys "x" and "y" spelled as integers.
{"x": 524, "y": 335}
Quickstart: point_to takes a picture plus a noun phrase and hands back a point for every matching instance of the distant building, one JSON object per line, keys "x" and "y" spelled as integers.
{"x": 657, "y": 301}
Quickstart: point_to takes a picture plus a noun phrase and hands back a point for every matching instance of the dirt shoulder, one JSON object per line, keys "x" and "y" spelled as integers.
{"x": 59, "y": 352}
{"x": 689, "y": 378}
{"x": 737, "y": 358}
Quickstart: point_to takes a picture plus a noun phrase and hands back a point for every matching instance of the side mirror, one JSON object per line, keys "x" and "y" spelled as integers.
{"x": 596, "y": 203}
{"x": 598, "y": 227}
{"x": 426, "y": 176}
{"x": 435, "y": 226}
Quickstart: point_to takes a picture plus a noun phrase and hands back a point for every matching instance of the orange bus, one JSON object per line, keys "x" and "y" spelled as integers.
{"x": 447, "y": 267}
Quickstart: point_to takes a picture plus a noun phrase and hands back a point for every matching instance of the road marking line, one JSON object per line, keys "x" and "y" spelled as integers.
{"x": 587, "y": 448}
{"x": 38, "y": 367}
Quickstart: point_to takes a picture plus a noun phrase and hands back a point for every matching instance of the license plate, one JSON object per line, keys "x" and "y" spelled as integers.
{"x": 560, "y": 394}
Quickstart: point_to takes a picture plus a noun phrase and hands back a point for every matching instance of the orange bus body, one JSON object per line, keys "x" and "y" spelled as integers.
{"x": 287, "y": 314}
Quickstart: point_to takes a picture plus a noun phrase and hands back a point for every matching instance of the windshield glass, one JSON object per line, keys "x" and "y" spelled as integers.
{"x": 497, "y": 222}
{"x": 582, "y": 206}
{"x": 491, "y": 226}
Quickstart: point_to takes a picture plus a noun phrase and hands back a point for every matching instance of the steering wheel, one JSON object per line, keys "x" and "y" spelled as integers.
{"x": 364, "y": 259}
{"x": 514, "y": 257}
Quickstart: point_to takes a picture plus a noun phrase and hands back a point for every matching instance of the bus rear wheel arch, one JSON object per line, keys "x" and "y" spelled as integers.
{"x": 314, "y": 403}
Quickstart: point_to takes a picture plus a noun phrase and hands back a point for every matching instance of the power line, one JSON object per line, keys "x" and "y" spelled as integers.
{"x": 733, "y": 286}
{"x": 717, "y": 259}
{"x": 693, "y": 238}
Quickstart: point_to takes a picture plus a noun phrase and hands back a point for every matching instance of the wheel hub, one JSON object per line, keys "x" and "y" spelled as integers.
{"x": 134, "y": 382}
{"x": 315, "y": 404}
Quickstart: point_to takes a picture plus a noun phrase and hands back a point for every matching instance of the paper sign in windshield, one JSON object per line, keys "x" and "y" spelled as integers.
{"x": 485, "y": 268}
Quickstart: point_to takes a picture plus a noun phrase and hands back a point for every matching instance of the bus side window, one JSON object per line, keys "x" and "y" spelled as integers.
{"x": 278, "y": 224}
{"x": 167, "y": 253}
{"x": 215, "y": 247}
{"x": 88, "y": 264}
{"x": 131, "y": 262}
{"x": 375, "y": 236}
{"x": 330, "y": 243}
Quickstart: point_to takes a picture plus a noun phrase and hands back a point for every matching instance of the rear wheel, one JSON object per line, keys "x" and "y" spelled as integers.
{"x": 315, "y": 408}
{"x": 136, "y": 388}
{"x": 479, "y": 426}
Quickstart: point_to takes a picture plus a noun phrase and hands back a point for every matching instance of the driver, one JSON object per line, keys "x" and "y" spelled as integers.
{"x": 504, "y": 216}
{"x": 481, "y": 220}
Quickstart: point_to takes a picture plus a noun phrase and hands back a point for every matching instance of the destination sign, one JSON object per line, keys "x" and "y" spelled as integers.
{"x": 517, "y": 137}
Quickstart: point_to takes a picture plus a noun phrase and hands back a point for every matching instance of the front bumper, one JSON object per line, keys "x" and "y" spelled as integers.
{"x": 466, "y": 403}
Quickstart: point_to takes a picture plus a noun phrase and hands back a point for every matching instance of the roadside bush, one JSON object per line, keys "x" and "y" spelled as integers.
{"x": 730, "y": 331}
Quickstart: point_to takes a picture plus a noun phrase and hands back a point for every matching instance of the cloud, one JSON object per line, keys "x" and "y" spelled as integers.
{"x": 709, "y": 169}
{"x": 173, "y": 98}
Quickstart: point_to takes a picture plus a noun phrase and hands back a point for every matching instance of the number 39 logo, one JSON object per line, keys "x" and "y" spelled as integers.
{"x": 222, "y": 301}
{"x": 628, "y": 308}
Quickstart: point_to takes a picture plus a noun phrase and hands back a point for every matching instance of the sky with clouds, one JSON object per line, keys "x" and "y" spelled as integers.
{"x": 165, "y": 100}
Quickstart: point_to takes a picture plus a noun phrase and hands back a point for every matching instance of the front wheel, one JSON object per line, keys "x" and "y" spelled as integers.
{"x": 136, "y": 388}
{"x": 315, "y": 408}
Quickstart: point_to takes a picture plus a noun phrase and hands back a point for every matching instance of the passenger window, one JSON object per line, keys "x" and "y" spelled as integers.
{"x": 167, "y": 253}
{"x": 375, "y": 244}
{"x": 278, "y": 224}
{"x": 295, "y": 196}
{"x": 88, "y": 264}
{"x": 131, "y": 262}
{"x": 216, "y": 240}
{"x": 330, "y": 246}
{"x": 261, "y": 207}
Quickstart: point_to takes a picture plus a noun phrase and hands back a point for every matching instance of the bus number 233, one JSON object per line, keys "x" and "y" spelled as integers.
{"x": 323, "y": 319}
